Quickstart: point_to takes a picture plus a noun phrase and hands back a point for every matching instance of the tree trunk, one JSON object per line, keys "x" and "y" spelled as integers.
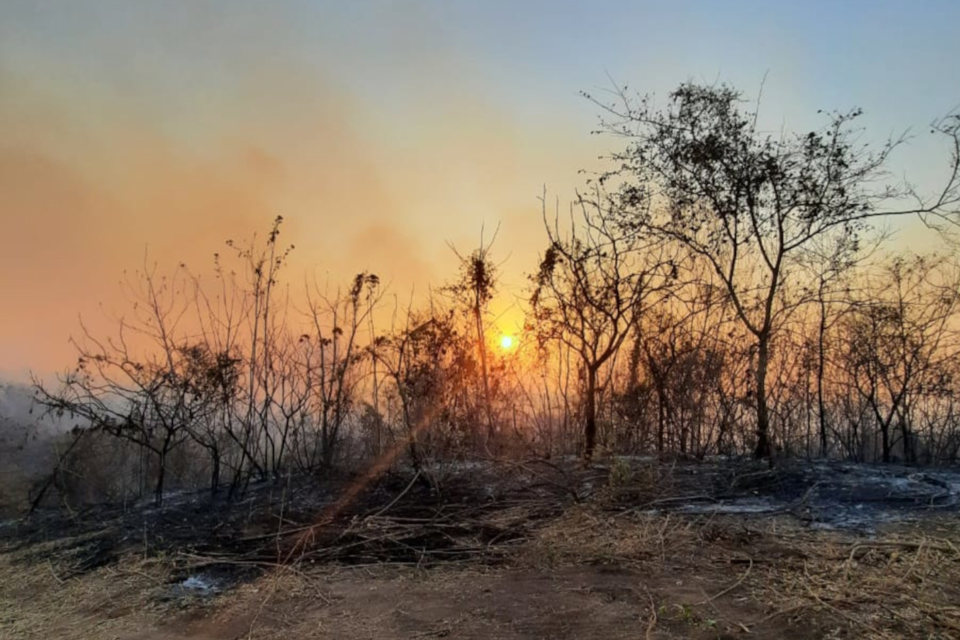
{"x": 909, "y": 451}
{"x": 763, "y": 417}
{"x": 661, "y": 419}
{"x": 886, "y": 444}
{"x": 590, "y": 409}
{"x": 482, "y": 348}
{"x": 161, "y": 476}
{"x": 412, "y": 447}
{"x": 821, "y": 368}
{"x": 325, "y": 440}
{"x": 215, "y": 472}
{"x": 885, "y": 438}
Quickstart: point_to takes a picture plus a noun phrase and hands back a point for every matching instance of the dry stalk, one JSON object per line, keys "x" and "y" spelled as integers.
{"x": 731, "y": 587}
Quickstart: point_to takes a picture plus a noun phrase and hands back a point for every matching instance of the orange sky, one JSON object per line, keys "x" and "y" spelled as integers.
{"x": 380, "y": 131}
{"x": 93, "y": 175}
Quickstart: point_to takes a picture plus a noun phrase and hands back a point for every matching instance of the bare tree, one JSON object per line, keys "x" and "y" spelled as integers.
{"x": 212, "y": 379}
{"x": 474, "y": 290}
{"x": 591, "y": 286}
{"x": 700, "y": 173}
{"x": 136, "y": 385}
{"x": 333, "y": 355}
{"x": 425, "y": 362}
{"x": 899, "y": 346}
{"x": 261, "y": 266}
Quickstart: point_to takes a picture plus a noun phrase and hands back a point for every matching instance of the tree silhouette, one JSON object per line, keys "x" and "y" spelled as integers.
{"x": 591, "y": 287}
{"x": 701, "y": 173}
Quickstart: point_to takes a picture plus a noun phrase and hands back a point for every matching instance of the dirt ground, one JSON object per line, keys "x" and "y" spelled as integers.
{"x": 607, "y": 600}
{"x": 605, "y": 567}
{"x": 572, "y": 602}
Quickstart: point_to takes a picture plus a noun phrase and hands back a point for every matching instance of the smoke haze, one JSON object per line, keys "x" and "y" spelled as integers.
{"x": 379, "y": 132}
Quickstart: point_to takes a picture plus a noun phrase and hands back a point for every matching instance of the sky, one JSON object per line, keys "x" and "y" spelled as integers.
{"x": 383, "y": 132}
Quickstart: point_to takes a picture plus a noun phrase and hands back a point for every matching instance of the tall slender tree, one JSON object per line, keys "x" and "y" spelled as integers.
{"x": 701, "y": 173}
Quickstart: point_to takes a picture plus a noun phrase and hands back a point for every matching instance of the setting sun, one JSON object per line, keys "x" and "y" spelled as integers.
{"x": 506, "y": 342}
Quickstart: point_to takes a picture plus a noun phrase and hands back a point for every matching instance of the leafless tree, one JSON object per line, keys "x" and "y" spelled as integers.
{"x": 591, "y": 286}
{"x": 138, "y": 384}
{"x": 333, "y": 356}
{"x": 474, "y": 290}
{"x": 899, "y": 346}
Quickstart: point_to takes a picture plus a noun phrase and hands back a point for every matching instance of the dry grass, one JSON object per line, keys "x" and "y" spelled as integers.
{"x": 39, "y": 599}
{"x": 894, "y": 586}
{"x": 898, "y": 584}
{"x": 584, "y": 534}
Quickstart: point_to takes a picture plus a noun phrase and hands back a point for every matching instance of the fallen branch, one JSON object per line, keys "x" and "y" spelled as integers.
{"x": 416, "y": 476}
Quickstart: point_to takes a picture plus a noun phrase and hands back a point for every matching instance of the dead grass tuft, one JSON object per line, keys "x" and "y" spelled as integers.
{"x": 884, "y": 588}
{"x": 39, "y": 599}
{"x": 585, "y": 534}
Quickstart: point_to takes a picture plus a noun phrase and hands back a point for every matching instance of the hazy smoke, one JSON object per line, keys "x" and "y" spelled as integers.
{"x": 132, "y": 128}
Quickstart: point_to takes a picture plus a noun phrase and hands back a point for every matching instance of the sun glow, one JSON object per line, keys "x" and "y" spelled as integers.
{"x": 507, "y": 342}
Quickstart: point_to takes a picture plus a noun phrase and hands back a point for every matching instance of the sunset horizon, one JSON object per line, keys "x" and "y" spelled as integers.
{"x": 134, "y": 131}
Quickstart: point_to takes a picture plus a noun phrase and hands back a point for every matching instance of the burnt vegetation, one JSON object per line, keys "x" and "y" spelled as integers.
{"x": 723, "y": 295}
